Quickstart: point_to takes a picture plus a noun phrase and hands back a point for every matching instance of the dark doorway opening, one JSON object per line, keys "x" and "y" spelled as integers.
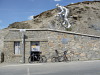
{"x": 35, "y": 55}
{"x": 35, "y": 51}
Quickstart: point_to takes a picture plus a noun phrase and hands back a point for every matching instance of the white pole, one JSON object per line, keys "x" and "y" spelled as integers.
{"x": 23, "y": 45}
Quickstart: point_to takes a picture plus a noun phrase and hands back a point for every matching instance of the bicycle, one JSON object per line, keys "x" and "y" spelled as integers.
{"x": 65, "y": 57}
{"x": 39, "y": 58}
{"x": 61, "y": 58}
{"x": 56, "y": 57}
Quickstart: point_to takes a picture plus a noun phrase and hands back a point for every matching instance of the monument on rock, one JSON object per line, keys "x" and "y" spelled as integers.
{"x": 63, "y": 15}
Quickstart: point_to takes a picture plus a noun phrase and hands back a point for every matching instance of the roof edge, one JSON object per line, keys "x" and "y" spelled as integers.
{"x": 62, "y": 31}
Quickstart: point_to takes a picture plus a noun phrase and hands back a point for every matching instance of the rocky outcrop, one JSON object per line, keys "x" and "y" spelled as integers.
{"x": 20, "y": 25}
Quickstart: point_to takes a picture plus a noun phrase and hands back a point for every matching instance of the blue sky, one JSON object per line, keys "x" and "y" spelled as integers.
{"x": 21, "y": 10}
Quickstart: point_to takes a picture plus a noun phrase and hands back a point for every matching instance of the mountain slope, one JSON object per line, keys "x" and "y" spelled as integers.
{"x": 84, "y": 18}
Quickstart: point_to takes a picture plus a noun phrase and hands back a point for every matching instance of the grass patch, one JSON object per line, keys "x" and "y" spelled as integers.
{"x": 86, "y": 7}
{"x": 69, "y": 29}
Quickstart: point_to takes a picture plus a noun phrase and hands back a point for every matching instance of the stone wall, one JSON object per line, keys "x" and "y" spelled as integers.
{"x": 79, "y": 46}
{"x": 9, "y": 55}
{"x": 16, "y": 35}
{"x": 83, "y": 47}
{"x": 0, "y": 57}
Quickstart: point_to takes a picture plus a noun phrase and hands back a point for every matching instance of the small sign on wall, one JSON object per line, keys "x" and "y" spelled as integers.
{"x": 65, "y": 40}
{"x": 35, "y": 46}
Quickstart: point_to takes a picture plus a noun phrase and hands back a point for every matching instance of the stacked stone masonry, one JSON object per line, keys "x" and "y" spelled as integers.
{"x": 82, "y": 46}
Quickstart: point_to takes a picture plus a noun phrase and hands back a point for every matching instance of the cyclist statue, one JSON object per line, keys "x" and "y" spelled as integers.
{"x": 63, "y": 14}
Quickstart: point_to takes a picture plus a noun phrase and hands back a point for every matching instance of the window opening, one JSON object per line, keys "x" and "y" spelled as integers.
{"x": 17, "y": 48}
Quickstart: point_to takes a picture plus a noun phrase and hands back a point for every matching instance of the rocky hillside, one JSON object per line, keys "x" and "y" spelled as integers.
{"x": 84, "y": 18}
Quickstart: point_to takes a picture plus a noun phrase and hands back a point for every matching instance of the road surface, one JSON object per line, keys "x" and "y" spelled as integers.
{"x": 61, "y": 68}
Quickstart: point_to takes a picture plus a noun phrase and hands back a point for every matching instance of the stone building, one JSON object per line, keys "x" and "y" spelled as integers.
{"x": 83, "y": 46}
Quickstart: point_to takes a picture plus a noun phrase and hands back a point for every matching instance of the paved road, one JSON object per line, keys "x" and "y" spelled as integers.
{"x": 71, "y": 68}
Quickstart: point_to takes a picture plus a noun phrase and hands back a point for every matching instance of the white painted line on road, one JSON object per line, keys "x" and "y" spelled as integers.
{"x": 89, "y": 61}
{"x": 28, "y": 71}
{"x": 20, "y": 65}
{"x": 93, "y": 61}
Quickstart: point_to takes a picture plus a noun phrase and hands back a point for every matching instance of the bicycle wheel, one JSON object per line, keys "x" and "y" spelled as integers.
{"x": 53, "y": 59}
{"x": 29, "y": 60}
{"x": 43, "y": 59}
{"x": 61, "y": 59}
{"x": 65, "y": 59}
{"x": 68, "y": 58}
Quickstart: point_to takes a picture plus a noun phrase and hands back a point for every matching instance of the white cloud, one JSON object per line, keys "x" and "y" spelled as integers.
{"x": 30, "y": 17}
{"x": 72, "y": 3}
{"x": 57, "y": 0}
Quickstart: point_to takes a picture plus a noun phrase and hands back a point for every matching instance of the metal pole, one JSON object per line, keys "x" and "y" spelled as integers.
{"x": 23, "y": 45}
{"x": 23, "y": 51}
